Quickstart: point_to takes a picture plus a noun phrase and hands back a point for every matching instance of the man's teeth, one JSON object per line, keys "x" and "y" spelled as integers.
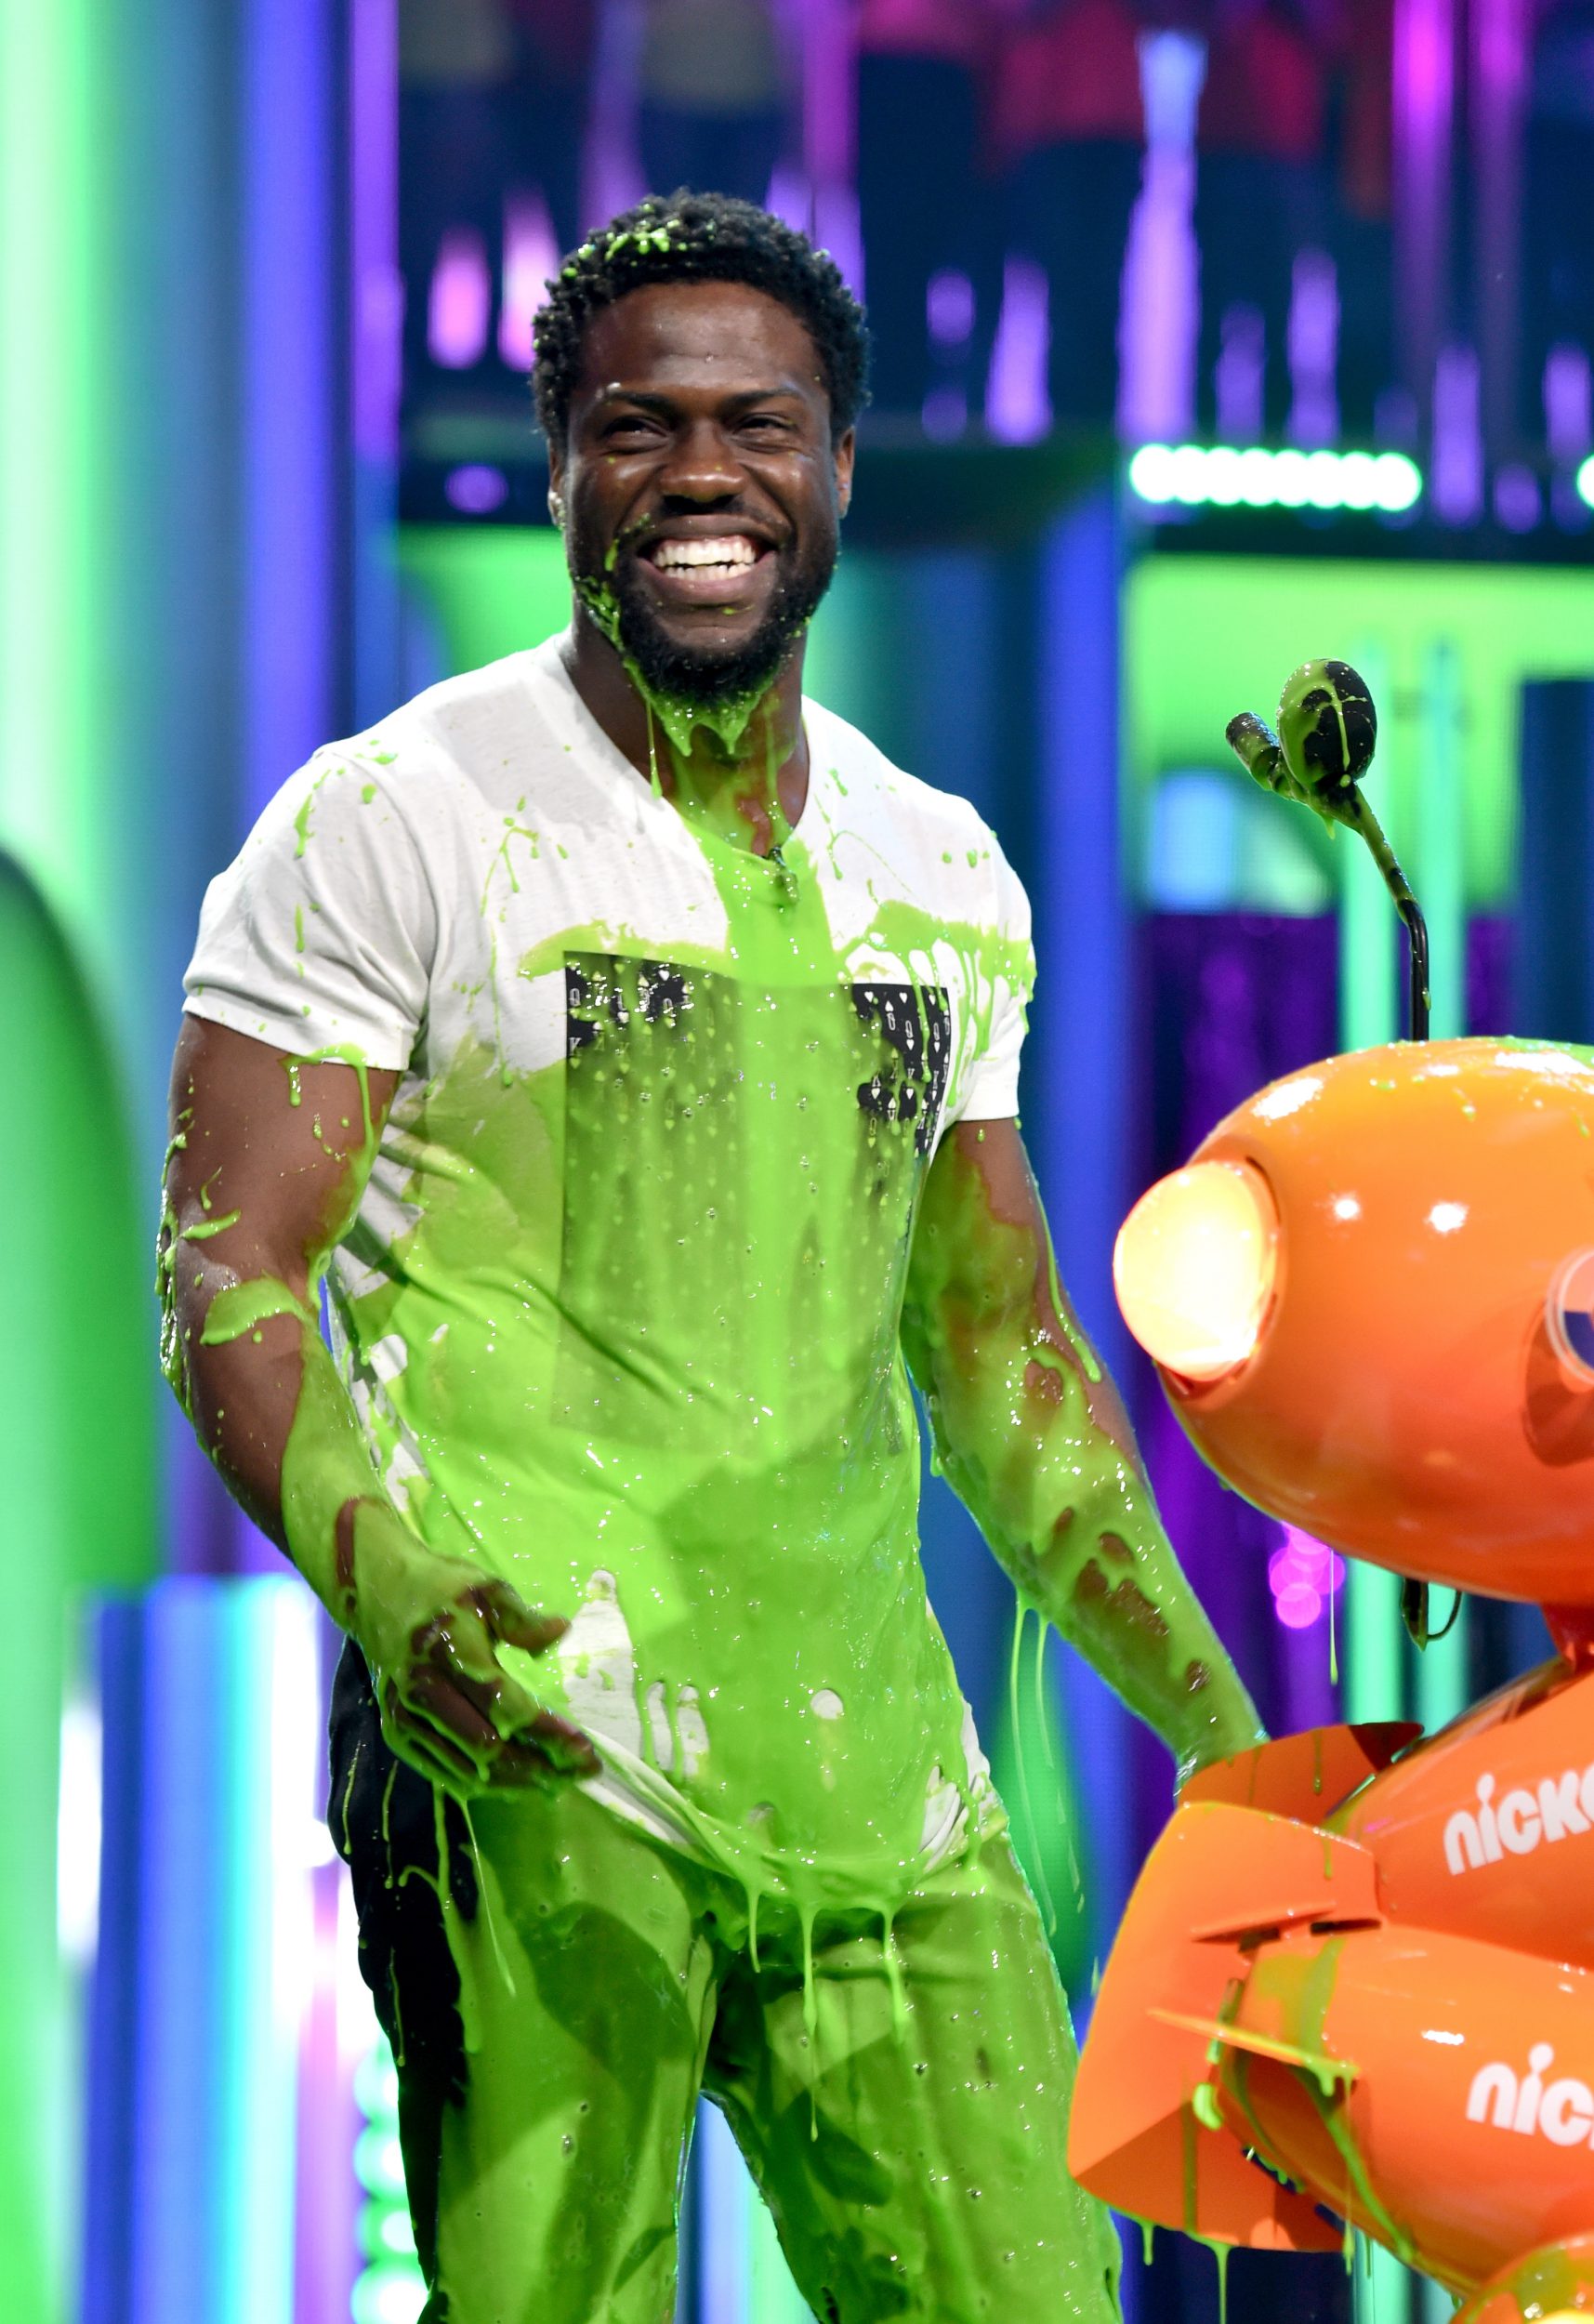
{"x": 730, "y": 551}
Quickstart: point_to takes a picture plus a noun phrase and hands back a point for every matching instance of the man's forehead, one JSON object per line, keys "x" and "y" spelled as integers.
{"x": 724, "y": 338}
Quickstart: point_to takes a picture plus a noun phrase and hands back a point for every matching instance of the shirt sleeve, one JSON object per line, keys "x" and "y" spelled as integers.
{"x": 1006, "y": 976}
{"x": 321, "y": 933}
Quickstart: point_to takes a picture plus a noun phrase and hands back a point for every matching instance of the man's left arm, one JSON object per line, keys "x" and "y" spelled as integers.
{"x": 1033, "y": 1436}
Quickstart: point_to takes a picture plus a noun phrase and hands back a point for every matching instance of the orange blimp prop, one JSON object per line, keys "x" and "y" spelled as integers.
{"x": 1357, "y": 1974}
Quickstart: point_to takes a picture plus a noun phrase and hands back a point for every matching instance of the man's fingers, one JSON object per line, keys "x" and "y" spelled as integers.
{"x": 427, "y": 1750}
{"x": 566, "y": 1746}
{"x": 439, "y": 1710}
{"x": 514, "y": 1622}
{"x": 450, "y": 1774}
{"x": 443, "y": 1702}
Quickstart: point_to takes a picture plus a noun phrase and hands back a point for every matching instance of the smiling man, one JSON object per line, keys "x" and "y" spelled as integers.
{"x": 635, "y": 1050}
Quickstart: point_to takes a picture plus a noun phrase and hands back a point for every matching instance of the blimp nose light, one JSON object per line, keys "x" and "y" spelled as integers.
{"x": 1194, "y": 1267}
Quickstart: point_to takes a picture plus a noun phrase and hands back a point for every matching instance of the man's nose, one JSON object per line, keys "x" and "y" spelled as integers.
{"x": 701, "y": 465}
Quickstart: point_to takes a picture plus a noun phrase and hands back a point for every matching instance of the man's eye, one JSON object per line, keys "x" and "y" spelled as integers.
{"x": 766, "y": 423}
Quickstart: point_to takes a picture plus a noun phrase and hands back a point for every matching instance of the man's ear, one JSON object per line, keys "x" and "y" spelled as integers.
{"x": 555, "y": 486}
{"x": 844, "y": 454}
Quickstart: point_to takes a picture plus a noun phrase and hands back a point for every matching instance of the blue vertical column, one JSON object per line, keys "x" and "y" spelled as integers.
{"x": 294, "y": 613}
{"x": 208, "y": 1696}
{"x": 1079, "y": 1067}
{"x": 375, "y": 339}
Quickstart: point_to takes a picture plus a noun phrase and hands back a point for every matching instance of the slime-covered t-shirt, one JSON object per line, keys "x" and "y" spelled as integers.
{"x": 620, "y": 1308}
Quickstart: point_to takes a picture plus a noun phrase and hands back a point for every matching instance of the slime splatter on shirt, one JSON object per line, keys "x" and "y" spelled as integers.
{"x": 620, "y": 1308}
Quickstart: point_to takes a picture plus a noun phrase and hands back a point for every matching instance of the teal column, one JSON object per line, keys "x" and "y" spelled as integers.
{"x": 1438, "y": 876}
{"x": 1383, "y": 1678}
{"x": 1370, "y": 1013}
{"x": 56, "y": 351}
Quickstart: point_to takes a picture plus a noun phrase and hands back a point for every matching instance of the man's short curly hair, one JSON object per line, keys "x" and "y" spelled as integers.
{"x": 699, "y": 238}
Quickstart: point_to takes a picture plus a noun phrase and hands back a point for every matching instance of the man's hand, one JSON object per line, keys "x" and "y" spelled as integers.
{"x": 429, "y": 1626}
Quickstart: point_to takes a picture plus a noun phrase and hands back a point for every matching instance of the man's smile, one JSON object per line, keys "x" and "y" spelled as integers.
{"x": 727, "y": 568}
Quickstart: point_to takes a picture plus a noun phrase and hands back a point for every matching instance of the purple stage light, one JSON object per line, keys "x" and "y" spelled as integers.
{"x": 1568, "y": 405}
{"x": 1017, "y": 410}
{"x": 476, "y": 490}
{"x": 1313, "y": 350}
{"x": 1458, "y": 471}
{"x": 1518, "y": 502}
{"x": 1158, "y": 331}
{"x": 949, "y": 308}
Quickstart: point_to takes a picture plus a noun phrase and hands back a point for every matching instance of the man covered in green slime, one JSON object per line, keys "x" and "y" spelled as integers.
{"x": 633, "y": 1052}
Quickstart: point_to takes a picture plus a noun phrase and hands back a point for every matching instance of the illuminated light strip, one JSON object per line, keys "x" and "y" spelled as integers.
{"x": 1586, "y": 481}
{"x": 1223, "y": 476}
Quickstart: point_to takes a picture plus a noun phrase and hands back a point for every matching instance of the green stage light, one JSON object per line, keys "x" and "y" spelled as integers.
{"x": 1586, "y": 481}
{"x": 1223, "y": 476}
{"x": 390, "y": 2287}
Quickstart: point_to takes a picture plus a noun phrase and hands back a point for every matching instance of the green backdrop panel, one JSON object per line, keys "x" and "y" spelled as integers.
{"x": 1208, "y": 636}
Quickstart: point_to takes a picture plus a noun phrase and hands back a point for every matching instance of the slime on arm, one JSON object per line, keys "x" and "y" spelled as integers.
{"x": 284, "y": 1431}
{"x": 1034, "y": 1439}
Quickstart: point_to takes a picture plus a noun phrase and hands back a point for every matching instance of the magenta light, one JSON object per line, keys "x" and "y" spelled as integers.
{"x": 1298, "y": 1606}
{"x": 1302, "y": 1572}
{"x": 460, "y": 302}
{"x": 530, "y": 257}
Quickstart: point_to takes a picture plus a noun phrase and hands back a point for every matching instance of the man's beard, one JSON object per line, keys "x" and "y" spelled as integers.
{"x": 710, "y": 679}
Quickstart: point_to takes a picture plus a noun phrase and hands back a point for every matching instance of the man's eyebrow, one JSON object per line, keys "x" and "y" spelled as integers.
{"x": 667, "y": 404}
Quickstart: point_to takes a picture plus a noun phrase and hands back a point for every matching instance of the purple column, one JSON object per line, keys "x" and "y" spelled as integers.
{"x": 1499, "y": 64}
{"x": 1424, "y": 110}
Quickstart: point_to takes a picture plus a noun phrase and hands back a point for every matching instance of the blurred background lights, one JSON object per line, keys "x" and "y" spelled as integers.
{"x": 390, "y": 2287}
{"x": 1586, "y": 481}
{"x": 1303, "y": 1576}
{"x": 1222, "y": 476}
{"x": 1194, "y": 1265}
{"x": 476, "y": 489}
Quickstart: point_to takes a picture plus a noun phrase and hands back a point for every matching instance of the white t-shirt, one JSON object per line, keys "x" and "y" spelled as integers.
{"x": 620, "y": 1308}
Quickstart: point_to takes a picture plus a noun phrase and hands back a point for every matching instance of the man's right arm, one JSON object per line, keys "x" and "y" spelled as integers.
{"x": 268, "y": 1159}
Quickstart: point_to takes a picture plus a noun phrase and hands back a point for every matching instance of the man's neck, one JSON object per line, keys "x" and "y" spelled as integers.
{"x": 751, "y": 791}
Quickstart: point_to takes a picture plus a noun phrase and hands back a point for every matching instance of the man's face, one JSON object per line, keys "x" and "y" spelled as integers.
{"x": 701, "y": 484}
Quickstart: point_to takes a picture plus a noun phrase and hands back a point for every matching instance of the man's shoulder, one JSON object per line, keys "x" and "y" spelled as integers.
{"x": 869, "y": 780}
{"x": 475, "y": 720}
